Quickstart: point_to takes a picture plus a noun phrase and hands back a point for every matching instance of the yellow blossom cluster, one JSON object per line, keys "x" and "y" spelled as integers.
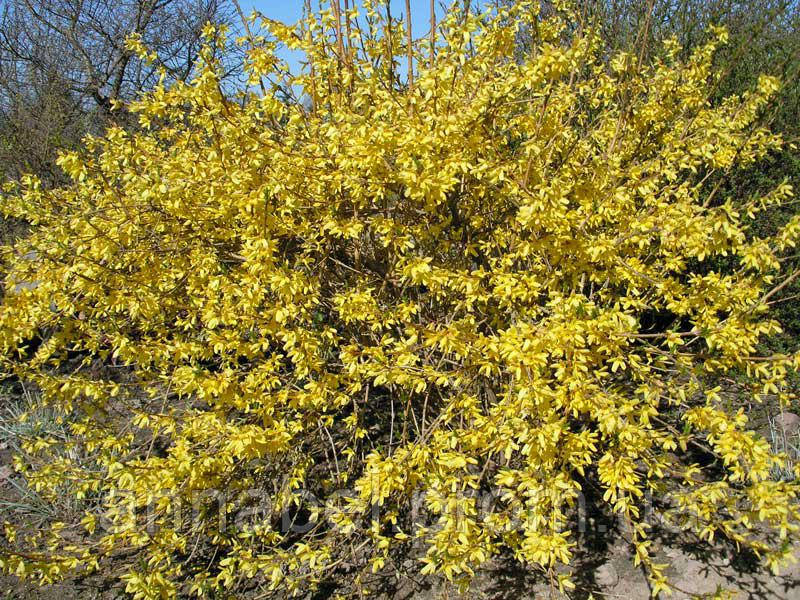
{"x": 488, "y": 273}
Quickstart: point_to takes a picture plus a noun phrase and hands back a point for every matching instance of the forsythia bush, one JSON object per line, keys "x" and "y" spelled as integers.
{"x": 492, "y": 273}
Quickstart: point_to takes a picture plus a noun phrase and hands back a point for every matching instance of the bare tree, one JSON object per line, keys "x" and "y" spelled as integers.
{"x": 84, "y": 41}
{"x": 64, "y": 62}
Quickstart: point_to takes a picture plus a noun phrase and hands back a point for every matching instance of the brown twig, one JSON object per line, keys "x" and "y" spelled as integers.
{"x": 409, "y": 49}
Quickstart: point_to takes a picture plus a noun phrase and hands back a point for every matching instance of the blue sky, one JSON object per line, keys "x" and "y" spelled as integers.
{"x": 290, "y": 11}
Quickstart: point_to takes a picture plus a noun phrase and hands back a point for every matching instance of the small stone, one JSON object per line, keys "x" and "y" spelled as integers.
{"x": 606, "y": 576}
{"x": 788, "y": 422}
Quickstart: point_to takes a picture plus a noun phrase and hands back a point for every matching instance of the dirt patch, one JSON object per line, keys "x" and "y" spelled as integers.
{"x": 696, "y": 572}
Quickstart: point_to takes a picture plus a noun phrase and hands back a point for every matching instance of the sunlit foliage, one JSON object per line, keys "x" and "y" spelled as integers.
{"x": 491, "y": 273}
